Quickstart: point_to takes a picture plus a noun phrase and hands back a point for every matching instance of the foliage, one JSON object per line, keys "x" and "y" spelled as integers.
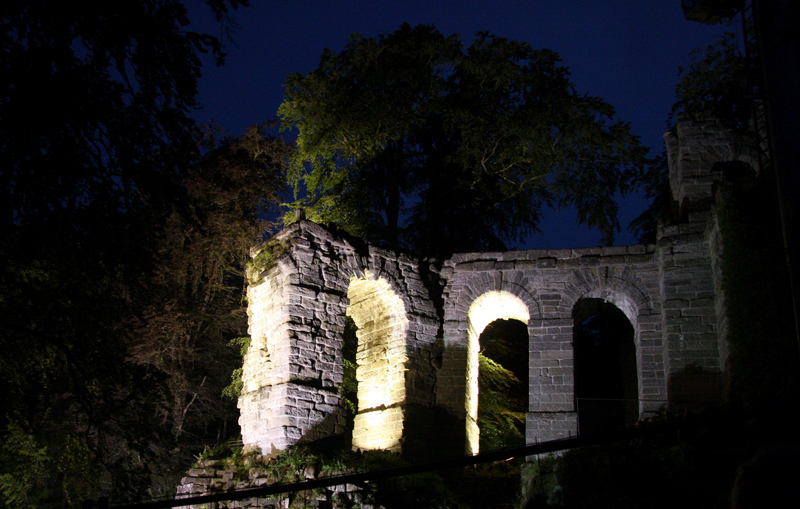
{"x": 349, "y": 389}
{"x": 266, "y": 258}
{"x": 503, "y": 398}
{"x": 620, "y": 476}
{"x": 501, "y": 424}
{"x": 717, "y": 83}
{"x": 422, "y": 490}
{"x": 192, "y": 324}
{"x": 219, "y": 451}
{"x": 538, "y": 484}
{"x": 655, "y": 182}
{"x": 409, "y": 140}
{"x": 122, "y": 235}
{"x": 23, "y": 481}
{"x": 233, "y": 390}
{"x": 297, "y": 463}
{"x": 80, "y": 471}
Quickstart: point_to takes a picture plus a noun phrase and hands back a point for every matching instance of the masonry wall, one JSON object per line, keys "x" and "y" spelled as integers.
{"x": 293, "y": 370}
{"x": 417, "y": 371}
{"x": 550, "y": 282}
{"x": 695, "y": 315}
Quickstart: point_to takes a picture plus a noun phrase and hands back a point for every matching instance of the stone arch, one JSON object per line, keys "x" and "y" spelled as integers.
{"x": 622, "y": 288}
{"x": 488, "y": 307}
{"x": 605, "y": 368}
{"x": 616, "y": 286}
{"x": 457, "y": 381}
{"x": 380, "y": 315}
{"x": 482, "y": 283}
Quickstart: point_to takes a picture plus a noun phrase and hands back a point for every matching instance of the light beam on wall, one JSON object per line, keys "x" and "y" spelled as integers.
{"x": 381, "y": 357}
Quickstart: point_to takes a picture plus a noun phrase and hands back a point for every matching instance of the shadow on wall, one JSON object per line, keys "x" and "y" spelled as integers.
{"x": 433, "y": 433}
{"x": 323, "y": 434}
{"x": 694, "y": 388}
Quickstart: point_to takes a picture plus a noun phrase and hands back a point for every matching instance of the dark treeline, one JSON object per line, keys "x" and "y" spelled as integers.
{"x": 124, "y": 227}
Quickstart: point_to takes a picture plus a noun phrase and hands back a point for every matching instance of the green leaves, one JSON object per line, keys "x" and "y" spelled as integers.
{"x": 413, "y": 142}
{"x": 501, "y": 422}
{"x": 503, "y": 397}
{"x": 122, "y": 233}
{"x": 717, "y": 83}
{"x": 23, "y": 481}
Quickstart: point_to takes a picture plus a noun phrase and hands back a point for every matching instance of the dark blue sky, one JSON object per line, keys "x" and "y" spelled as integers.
{"x": 625, "y": 51}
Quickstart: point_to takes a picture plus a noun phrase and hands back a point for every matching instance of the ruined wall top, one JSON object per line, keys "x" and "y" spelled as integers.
{"x": 694, "y": 146}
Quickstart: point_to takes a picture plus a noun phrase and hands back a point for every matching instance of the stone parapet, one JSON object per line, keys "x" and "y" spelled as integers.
{"x": 694, "y": 146}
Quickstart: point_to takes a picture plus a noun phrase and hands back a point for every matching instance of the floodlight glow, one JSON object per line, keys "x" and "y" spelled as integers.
{"x": 381, "y": 360}
{"x": 491, "y": 306}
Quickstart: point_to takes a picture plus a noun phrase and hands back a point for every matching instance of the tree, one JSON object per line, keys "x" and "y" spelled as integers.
{"x": 96, "y": 174}
{"x": 194, "y": 303}
{"x": 411, "y": 141}
{"x": 717, "y": 83}
{"x": 502, "y": 397}
{"x": 195, "y": 296}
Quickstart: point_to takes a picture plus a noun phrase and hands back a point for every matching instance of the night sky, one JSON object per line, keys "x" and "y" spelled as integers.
{"x": 625, "y": 51}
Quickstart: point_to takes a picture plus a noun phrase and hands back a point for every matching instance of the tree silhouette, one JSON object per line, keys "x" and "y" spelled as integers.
{"x": 412, "y": 141}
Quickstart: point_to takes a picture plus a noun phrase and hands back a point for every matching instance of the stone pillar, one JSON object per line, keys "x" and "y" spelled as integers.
{"x": 293, "y": 369}
{"x": 551, "y": 397}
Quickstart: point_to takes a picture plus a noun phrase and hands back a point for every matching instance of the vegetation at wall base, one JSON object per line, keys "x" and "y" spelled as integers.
{"x": 473, "y": 487}
{"x": 697, "y": 468}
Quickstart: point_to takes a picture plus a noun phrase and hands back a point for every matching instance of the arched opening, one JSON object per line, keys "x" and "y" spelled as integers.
{"x": 381, "y": 322}
{"x": 502, "y": 385}
{"x": 606, "y": 384}
{"x": 487, "y": 308}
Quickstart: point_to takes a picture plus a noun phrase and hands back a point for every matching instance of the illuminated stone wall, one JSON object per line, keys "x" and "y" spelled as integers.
{"x": 419, "y": 321}
{"x": 381, "y": 358}
{"x": 293, "y": 370}
{"x": 549, "y": 283}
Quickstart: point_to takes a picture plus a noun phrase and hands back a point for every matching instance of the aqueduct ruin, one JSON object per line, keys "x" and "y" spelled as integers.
{"x": 419, "y": 321}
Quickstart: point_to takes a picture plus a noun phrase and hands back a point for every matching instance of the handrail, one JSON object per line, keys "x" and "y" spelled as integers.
{"x": 640, "y": 431}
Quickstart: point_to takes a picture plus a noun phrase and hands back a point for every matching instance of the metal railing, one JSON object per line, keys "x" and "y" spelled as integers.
{"x": 647, "y": 429}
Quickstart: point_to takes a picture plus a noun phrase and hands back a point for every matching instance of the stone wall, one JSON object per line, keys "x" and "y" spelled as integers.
{"x": 211, "y": 477}
{"x": 420, "y": 321}
{"x": 697, "y": 153}
{"x": 550, "y": 283}
{"x": 293, "y": 370}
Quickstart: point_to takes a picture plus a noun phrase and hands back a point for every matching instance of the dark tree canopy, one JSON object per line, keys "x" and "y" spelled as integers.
{"x": 123, "y": 227}
{"x": 94, "y": 103}
{"x": 413, "y": 141}
{"x": 717, "y": 83}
